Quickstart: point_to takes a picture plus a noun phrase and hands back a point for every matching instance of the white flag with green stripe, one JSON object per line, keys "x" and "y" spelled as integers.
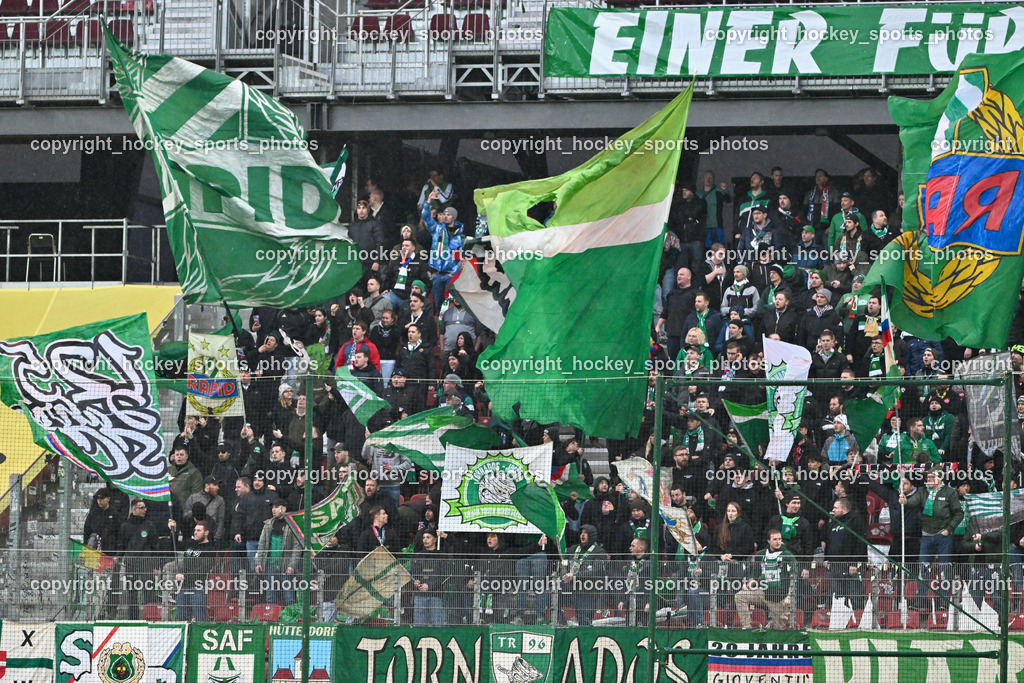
{"x": 251, "y": 219}
{"x": 418, "y": 436}
{"x": 359, "y": 398}
{"x": 583, "y": 281}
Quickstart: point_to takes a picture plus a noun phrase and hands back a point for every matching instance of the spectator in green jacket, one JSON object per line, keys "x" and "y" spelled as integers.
{"x": 185, "y": 477}
{"x": 941, "y": 514}
{"x": 914, "y": 445}
{"x": 938, "y": 424}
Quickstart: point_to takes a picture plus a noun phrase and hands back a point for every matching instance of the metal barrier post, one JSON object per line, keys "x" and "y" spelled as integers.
{"x": 1004, "y": 572}
{"x": 475, "y": 605}
{"x": 15, "y": 540}
{"x": 64, "y": 523}
{"x": 307, "y": 531}
{"x": 241, "y": 588}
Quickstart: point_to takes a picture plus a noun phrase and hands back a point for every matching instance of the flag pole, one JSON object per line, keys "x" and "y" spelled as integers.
{"x": 653, "y": 654}
{"x": 307, "y": 532}
{"x": 1004, "y": 570}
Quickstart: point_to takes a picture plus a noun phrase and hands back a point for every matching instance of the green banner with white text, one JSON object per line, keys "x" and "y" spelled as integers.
{"x": 226, "y": 653}
{"x": 850, "y": 40}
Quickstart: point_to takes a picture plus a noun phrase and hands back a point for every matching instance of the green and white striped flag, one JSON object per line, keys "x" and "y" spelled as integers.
{"x": 336, "y": 171}
{"x": 418, "y": 436}
{"x": 250, "y": 216}
{"x": 751, "y": 422}
{"x": 360, "y": 399}
{"x": 986, "y": 509}
{"x": 600, "y": 248}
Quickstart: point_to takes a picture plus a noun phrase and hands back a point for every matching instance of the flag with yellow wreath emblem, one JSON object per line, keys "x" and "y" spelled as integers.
{"x": 957, "y": 267}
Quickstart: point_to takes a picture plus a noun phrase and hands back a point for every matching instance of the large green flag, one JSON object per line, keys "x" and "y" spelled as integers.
{"x": 957, "y": 268}
{"x": 89, "y": 394}
{"x": 582, "y": 308}
{"x": 537, "y": 502}
{"x": 250, "y": 216}
{"x": 418, "y": 436}
{"x": 360, "y": 399}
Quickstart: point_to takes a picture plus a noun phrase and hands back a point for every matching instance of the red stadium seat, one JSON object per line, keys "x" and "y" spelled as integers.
{"x": 442, "y": 27}
{"x": 12, "y": 8}
{"x": 398, "y": 27}
{"x": 10, "y": 33}
{"x": 266, "y": 611}
{"x": 476, "y": 26}
{"x": 365, "y": 28}
{"x": 820, "y": 618}
{"x": 63, "y": 33}
{"x": 937, "y": 621}
{"x": 153, "y": 611}
{"x": 893, "y": 620}
{"x": 223, "y": 613}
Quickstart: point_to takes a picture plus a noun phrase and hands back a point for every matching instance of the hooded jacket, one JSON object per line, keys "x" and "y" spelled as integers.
{"x": 445, "y": 242}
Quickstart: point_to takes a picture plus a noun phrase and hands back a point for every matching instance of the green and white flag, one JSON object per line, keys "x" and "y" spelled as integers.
{"x": 361, "y": 400}
{"x": 785, "y": 404}
{"x": 751, "y": 422}
{"x": 89, "y": 394}
{"x": 418, "y": 436}
{"x": 250, "y": 216}
{"x": 329, "y": 515}
{"x": 105, "y": 652}
{"x": 226, "y": 653}
{"x": 26, "y": 651}
{"x": 476, "y": 491}
{"x": 336, "y": 171}
{"x": 600, "y": 248}
{"x": 986, "y": 509}
{"x": 212, "y": 387}
{"x": 538, "y": 504}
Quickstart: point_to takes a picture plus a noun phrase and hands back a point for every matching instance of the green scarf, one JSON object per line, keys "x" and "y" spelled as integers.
{"x": 929, "y": 504}
{"x": 879, "y": 233}
{"x": 639, "y": 532}
{"x": 698, "y": 434}
{"x": 788, "y": 527}
{"x": 701, "y": 319}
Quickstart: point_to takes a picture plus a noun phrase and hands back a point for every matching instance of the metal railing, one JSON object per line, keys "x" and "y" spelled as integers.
{"x": 81, "y": 250}
{"x": 477, "y": 49}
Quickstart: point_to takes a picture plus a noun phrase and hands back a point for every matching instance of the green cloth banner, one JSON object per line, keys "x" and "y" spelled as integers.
{"x": 226, "y": 653}
{"x": 916, "y": 669}
{"x": 852, "y": 40}
{"x": 104, "y": 652}
{"x": 503, "y": 653}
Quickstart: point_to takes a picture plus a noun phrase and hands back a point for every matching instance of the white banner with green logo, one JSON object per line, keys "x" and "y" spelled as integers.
{"x": 478, "y": 485}
{"x": 850, "y": 40}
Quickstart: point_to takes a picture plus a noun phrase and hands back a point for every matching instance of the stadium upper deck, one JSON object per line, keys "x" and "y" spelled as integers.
{"x": 376, "y": 50}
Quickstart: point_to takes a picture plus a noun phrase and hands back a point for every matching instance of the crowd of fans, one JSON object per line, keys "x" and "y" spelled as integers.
{"x": 788, "y": 536}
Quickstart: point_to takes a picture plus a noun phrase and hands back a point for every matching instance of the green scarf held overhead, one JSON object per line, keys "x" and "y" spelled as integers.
{"x": 788, "y": 527}
{"x": 929, "y": 504}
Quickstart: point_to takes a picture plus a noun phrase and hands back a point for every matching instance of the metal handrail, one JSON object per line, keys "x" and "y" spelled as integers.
{"x": 61, "y": 257}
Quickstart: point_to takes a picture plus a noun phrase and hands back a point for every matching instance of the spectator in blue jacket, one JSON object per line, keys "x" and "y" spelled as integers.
{"x": 446, "y": 235}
